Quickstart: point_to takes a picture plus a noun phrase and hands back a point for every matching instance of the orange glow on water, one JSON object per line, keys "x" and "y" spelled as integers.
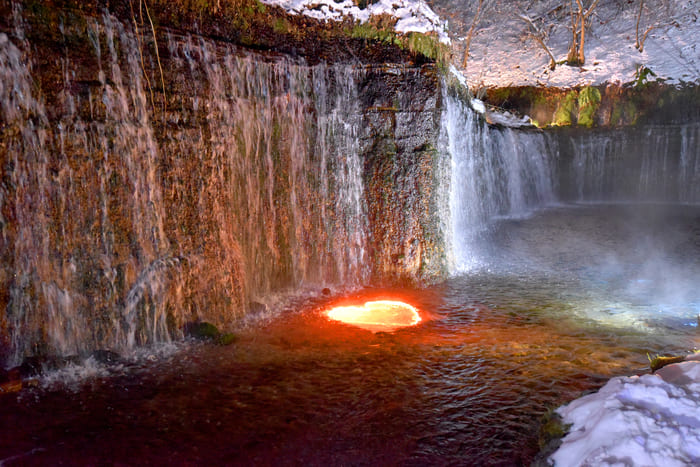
{"x": 375, "y": 316}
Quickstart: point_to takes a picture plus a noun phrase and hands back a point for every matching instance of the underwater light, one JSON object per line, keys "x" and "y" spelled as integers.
{"x": 375, "y": 316}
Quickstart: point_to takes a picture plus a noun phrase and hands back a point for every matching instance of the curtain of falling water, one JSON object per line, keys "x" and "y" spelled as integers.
{"x": 654, "y": 163}
{"x": 283, "y": 143}
{"x": 509, "y": 173}
{"x": 495, "y": 172}
{"x": 124, "y": 216}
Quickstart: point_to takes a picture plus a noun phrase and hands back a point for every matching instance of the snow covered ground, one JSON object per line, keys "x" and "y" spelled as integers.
{"x": 649, "y": 420}
{"x": 503, "y": 54}
{"x": 412, "y": 15}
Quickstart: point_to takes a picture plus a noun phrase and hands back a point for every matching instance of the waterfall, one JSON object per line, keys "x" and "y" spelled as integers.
{"x": 137, "y": 196}
{"x": 504, "y": 172}
{"x": 652, "y": 164}
{"x": 283, "y": 142}
{"x": 496, "y": 172}
{"x": 127, "y": 211}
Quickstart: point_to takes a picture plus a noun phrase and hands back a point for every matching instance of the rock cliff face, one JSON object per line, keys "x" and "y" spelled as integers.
{"x": 153, "y": 177}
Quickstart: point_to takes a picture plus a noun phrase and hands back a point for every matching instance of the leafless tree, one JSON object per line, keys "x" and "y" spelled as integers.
{"x": 579, "y": 16}
{"x": 664, "y": 15}
{"x": 539, "y": 34}
{"x": 472, "y": 28}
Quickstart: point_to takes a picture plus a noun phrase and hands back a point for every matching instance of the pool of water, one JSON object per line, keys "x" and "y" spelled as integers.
{"x": 554, "y": 305}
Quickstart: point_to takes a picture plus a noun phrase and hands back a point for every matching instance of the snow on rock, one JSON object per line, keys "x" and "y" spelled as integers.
{"x": 504, "y": 118}
{"x": 412, "y": 15}
{"x": 650, "y": 420}
{"x": 478, "y": 106}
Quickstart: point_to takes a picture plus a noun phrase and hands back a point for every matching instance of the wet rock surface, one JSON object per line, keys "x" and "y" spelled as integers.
{"x": 139, "y": 194}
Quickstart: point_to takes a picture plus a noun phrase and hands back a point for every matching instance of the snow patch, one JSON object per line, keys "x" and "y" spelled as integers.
{"x": 637, "y": 420}
{"x": 504, "y": 118}
{"x": 412, "y": 15}
{"x": 478, "y": 106}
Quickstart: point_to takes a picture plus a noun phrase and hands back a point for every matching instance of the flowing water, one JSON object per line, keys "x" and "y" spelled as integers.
{"x": 554, "y": 302}
{"x": 573, "y": 256}
{"x": 123, "y": 218}
{"x": 565, "y": 299}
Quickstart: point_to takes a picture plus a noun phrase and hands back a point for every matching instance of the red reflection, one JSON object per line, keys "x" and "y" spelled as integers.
{"x": 375, "y": 316}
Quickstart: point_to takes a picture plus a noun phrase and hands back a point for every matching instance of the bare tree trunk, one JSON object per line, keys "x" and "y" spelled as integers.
{"x": 639, "y": 45}
{"x": 470, "y": 34}
{"x": 572, "y": 55}
{"x": 582, "y": 42}
{"x": 577, "y": 54}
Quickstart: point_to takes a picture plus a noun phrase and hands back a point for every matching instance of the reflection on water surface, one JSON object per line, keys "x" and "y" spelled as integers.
{"x": 559, "y": 305}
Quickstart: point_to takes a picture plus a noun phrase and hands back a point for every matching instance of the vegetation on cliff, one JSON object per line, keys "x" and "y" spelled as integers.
{"x": 251, "y": 24}
{"x": 599, "y": 106}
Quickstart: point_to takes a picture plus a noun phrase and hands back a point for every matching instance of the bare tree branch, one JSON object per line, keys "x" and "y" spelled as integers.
{"x": 470, "y": 34}
{"x": 539, "y": 36}
{"x": 639, "y": 46}
{"x": 670, "y": 20}
{"x": 572, "y": 56}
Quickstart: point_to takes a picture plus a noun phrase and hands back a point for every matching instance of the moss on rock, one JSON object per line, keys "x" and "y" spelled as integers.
{"x": 588, "y": 103}
{"x": 600, "y": 106}
{"x": 566, "y": 110}
{"x": 204, "y": 331}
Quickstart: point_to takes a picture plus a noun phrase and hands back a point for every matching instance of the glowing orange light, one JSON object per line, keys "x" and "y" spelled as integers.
{"x": 380, "y": 315}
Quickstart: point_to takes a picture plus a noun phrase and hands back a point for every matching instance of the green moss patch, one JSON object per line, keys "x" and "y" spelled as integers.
{"x": 566, "y": 110}
{"x": 204, "y": 331}
{"x": 588, "y": 103}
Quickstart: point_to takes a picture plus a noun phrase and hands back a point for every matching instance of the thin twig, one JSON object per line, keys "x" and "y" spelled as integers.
{"x": 140, "y": 46}
{"x": 540, "y": 36}
{"x": 470, "y": 34}
{"x": 160, "y": 68}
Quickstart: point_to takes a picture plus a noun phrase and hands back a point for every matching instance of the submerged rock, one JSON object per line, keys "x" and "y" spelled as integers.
{"x": 201, "y": 331}
{"x": 37, "y": 365}
{"x": 107, "y": 357}
{"x": 226, "y": 338}
{"x": 204, "y": 331}
{"x": 11, "y": 386}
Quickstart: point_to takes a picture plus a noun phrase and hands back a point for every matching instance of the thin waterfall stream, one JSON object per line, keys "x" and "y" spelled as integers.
{"x": 266, "y": 190}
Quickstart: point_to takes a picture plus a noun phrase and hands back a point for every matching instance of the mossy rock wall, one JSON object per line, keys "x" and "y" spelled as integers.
{"x": 601, "y": 106}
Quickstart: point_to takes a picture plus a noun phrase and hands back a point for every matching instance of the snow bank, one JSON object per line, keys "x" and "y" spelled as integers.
{"x": 412, "y": 15}
{"x": 650, "y": 420}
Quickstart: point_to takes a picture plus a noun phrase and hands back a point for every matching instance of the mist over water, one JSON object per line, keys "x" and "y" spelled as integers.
{"x": 610, "y": 219}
